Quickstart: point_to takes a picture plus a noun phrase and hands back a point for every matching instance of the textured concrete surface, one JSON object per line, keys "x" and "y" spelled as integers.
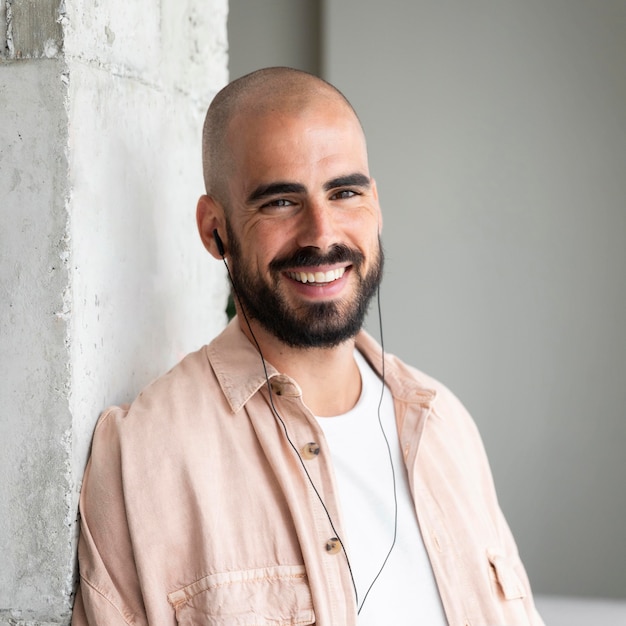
{"x": 35, "y": 429}
{"x": 3, "y": 29}
{"x": 104, "y": 283}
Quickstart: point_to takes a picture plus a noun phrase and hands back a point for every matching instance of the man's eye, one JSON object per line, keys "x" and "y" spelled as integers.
{"x": 279, "y": 202}
{"x": 344, "y": 194}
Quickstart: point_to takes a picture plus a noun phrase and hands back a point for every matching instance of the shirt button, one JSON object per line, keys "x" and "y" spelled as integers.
{"x": 277, "y": 388}
{"x": 333, "y": 545}
{"x": 310, "y": 450}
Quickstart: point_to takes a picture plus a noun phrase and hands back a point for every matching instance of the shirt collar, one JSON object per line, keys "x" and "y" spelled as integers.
{"x": 237, "y": 365}
{"x": 405, "y": 382}
{"x": 239, "y": 369}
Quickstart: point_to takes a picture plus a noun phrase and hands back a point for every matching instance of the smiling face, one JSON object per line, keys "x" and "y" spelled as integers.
{"x": 303, "y": 221}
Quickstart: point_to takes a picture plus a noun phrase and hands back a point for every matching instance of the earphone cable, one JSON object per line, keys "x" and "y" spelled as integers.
{"x": 299, "y": 457}
{"x": 284, "y": 426}
{"x": 393, "y": 472}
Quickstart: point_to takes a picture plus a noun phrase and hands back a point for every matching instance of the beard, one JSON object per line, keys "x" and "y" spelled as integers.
{"x": 309, "y": 325}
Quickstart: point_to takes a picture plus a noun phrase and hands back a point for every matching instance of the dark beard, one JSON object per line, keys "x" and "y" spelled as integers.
{"x": 314, "y": 325}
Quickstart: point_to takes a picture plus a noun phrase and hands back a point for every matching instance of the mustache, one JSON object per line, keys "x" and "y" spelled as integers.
{"x": 311, "y": 257}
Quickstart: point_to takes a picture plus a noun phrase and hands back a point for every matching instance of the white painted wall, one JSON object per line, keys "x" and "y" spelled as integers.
{"x": 497, "y": 134}
{"x": 146, "y": 287}
{"x": 104, "y": 283}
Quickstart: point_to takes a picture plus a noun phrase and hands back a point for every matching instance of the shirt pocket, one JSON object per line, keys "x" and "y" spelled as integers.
{"x": 504, "y": 575}
{"x": 269, "y": 596}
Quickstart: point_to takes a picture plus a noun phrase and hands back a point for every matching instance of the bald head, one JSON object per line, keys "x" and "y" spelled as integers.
{"x": 275, "y": 89}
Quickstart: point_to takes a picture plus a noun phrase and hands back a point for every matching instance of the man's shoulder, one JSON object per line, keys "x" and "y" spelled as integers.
{"x": 401, "y": 377}
{"x": 191, "y": 378}
{"x": 198, "y": 385}
{"x": 441, "y": 393}
{"x": 171, "y": 392}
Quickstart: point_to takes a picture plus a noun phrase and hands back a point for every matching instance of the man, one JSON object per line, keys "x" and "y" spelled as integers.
{"x": 289, "y": 472}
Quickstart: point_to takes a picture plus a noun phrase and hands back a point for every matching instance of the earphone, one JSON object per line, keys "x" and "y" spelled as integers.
{"x": 220, "y": 247}
{"x": 219, "y": 243}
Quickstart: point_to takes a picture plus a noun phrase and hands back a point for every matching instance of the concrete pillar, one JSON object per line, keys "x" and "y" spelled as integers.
{"x": 104, "y": 283}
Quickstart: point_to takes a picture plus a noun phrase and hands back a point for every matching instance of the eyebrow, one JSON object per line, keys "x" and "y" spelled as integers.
{"x": 275, "y": 189}
{"x": 283, "y": 187}
{"x": 351, "y": 180}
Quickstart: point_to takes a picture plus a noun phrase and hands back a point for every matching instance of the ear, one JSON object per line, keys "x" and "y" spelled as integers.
{"x": 380, "y": 213}
{"x": 210, "y": 217}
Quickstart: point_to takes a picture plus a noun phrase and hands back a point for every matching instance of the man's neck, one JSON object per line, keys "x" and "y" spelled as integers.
{"x": 329, "y": 377}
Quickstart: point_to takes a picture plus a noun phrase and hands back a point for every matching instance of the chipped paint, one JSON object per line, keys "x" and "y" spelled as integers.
{"x": 33, "y": 29}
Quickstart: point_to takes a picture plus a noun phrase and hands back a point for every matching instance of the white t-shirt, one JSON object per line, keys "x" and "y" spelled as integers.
{"x": 405, "y": 593}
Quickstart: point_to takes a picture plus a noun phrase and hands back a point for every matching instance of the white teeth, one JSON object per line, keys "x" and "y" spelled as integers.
{"x": 318, "y": 277}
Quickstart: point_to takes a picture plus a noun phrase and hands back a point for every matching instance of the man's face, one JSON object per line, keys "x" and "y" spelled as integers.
{"x": 303, "y": 224}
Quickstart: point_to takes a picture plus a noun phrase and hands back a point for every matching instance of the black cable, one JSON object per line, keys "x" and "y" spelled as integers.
{"x": 297, "y": 453}
{"x": 393, "y": 472}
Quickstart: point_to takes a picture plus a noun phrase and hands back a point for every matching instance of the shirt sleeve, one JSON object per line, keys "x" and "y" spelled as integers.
{"x": 96, "y": 610}
{"x": 519, "y": 569}
{"x": 508, "y": 584}
{"x": 506, "y": 565}
{"x": 109, "y": 591}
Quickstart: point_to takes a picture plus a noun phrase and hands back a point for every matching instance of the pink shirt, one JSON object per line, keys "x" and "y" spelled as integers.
{"x": 195, "y": 509}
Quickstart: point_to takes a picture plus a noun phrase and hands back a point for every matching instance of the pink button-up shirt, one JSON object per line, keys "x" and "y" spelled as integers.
{"x": 195, "y": 509}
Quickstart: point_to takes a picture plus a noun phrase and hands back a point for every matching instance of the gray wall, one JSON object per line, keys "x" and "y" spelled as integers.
{"x": 264, "y": 33}
{"x": 497, "y": 134}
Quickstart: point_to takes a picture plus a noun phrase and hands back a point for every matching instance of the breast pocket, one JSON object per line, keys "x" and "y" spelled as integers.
{"x": 504, "y": 575}
{"x": 271, "y": 596}
{"x": 513, "y": 603}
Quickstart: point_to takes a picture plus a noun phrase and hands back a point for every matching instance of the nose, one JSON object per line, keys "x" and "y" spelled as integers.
{"x": 317, "y": 226}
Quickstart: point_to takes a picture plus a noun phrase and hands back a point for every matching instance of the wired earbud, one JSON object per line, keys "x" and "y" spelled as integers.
{"x": 219, "y": 243}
